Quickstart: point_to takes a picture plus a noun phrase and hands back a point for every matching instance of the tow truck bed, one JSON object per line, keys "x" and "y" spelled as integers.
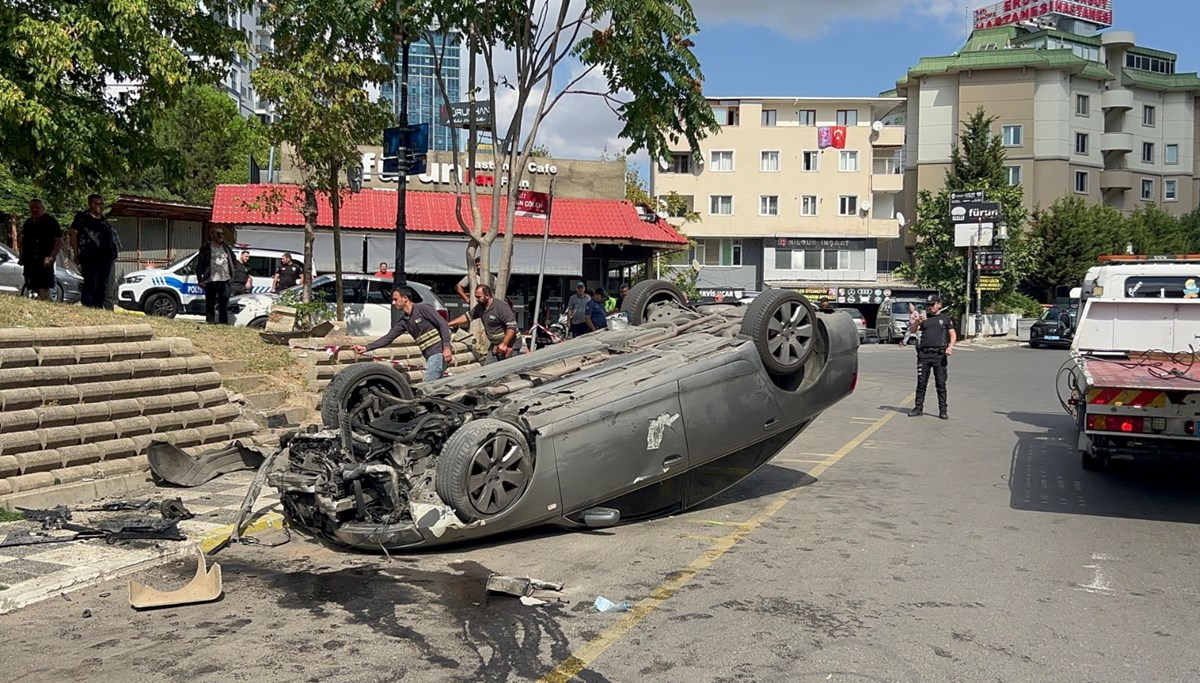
{"x": 1151, "y": 374}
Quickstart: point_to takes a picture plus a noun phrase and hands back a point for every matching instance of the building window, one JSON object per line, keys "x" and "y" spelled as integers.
{"x": 847, "y": 205}
{"x": 768, "y": 117}
{"x": 1013, "y": 136}
{"x": 1161, "y": 66}
{"x": 679, "y": 163}
{"x": 847, "y": 117}
{"x": 810, "y": 162}
{"x": 808, "y": 205}
{"x": 1148, "y": 152}
{"x": 726, "y": 116}
{"x": 820, "y": 259}
{"x": 1148, "y": 115}
{"x": 1170, "y": 190}
{"x": 1014, "y": 175}
{"x": 769, "y": 162}
{"x": 783, "y": 259}
{"x": 1147, "y": 190}
{"x": 1081, "y": 182}
{"x": 722, "y": 161}
{"x": 768, "y": 205}
{"x": 1171, "y": 154}
{"x": 720, "y": 204}
{"x": 807, "y": 117}
{"x": 1081, "y": 143}
{"x": 1083, "y": 105}
{"x": 848, "y": 161}
{"x": 718, "y": 252}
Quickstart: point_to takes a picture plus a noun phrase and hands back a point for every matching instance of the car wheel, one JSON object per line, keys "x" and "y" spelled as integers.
{"x": 1090, "y": 462}
{"x": 259, "y": 323}
{"x": 56, "y": 293}
{"x": 483, "y": 469}
{"x": 783, "y": 326}
{"x": 1034, "y": 345}
{"x": 651, "y": 301}
{"x": 354, "y": 384}
{"x": 161, "y": 304}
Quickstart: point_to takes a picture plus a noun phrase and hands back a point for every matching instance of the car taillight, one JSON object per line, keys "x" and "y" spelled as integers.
{"x": 445, "y": 314}
{"x": 1116, "y": 423}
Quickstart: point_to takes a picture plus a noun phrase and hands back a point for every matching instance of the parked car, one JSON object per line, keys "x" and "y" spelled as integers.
{"x": 609, "y": 427}
{"x": 1056, "y": 327}
{"x": 67, "y": 280}
{"x": 892, "y": 322}
{"x": 859, "y": 320}
{"x": 173, "y": 290}
{"x": 368, "y": 301}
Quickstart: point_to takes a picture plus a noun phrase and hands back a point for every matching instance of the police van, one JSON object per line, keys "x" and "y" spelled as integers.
{"x": 173, "y": 290}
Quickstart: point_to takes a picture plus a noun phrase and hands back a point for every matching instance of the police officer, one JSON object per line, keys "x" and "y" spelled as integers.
{"x": 933, "y": 352}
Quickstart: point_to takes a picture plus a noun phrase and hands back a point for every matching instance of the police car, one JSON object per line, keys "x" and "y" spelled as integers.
{"x": 173, "y": 290}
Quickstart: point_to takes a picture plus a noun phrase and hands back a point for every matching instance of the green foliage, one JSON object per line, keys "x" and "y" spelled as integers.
{"x": 1069, "y": 237}
{"x": 1015, "y": 302}
{"x": 672, "y": 204}
{"x": 977, "y": 163}
{"x": 309, "y": 313}
{"x": 58, "y": 131}
{"x": 202, "y": 141}
{"x": 1153, "y": 231}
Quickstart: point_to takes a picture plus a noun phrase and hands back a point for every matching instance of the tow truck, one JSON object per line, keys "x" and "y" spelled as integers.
{"x": 1133, "y": 374}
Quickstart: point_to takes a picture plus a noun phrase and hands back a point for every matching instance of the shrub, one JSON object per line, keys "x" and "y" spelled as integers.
{"x": 1015, "y": 303}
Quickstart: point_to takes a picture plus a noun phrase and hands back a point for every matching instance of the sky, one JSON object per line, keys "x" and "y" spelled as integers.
{"x": 829, "y": 48}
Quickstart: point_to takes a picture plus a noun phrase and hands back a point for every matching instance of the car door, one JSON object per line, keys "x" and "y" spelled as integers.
{"x": 354, "y": 297}
{"x": 378, "y": 309}
{"x": 262, "y": 273}
{"x": 727, "y": 408}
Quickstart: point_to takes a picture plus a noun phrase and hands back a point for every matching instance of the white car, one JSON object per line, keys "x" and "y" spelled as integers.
{"x": 368, "y": 301}
{"x": 173, "y": 290}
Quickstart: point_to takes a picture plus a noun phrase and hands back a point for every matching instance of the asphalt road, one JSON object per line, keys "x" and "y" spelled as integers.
{"x": 876, "y": 547}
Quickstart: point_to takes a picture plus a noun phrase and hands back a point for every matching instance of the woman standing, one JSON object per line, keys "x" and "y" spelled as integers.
{"x": 214, "y": 272}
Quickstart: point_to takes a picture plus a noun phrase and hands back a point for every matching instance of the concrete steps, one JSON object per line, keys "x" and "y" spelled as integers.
{"x": 79, "y": 406}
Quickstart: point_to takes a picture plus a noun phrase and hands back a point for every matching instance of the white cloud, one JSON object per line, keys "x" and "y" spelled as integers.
{"x": 807, "y": 18}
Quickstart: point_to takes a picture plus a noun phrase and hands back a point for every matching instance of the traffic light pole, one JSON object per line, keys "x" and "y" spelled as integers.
{"x": 398, "y": 277}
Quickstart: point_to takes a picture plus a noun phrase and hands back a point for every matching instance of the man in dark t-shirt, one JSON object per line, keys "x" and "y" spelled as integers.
{"x": 499, "y": 324}
{"x": 96, "y": 248}
{"x": 41, "y": 240}
{"x": 287, "y": 275}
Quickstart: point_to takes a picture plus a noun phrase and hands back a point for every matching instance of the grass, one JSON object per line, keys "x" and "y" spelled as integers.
{"x": 220, "y": 342}
{"x": 7, "y": 515}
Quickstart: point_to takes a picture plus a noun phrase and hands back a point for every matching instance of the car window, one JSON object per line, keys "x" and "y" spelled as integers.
{"x": 325, "y": 289}
{"x": 262, "y": 266}
{"x": 379, "y": 292}
{"x": 1158, "y": 287}
{"x": 853, "y": 313}
{"x": 901, "y": 307}
{"x": 187, "y": 267}
{"x": 353, "y": 292}
{"x": 1054, "y": 313}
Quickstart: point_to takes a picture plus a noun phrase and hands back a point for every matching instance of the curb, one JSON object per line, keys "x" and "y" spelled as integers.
{"x": 80, "y": 577}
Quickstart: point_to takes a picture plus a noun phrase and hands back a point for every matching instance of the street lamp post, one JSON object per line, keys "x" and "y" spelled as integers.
{"x": 398, "y": 277}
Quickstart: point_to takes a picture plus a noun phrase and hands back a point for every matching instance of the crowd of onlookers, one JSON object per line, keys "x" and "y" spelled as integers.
{"x": 91, "y": 242}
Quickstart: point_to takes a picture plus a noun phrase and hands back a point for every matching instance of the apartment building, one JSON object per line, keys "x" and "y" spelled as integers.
{"x": 1080, "y": 111}
{"x": 781, "y": 204}
{"x": 425, "y": 99}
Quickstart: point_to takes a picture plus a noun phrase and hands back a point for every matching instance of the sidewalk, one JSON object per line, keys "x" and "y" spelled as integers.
{"x": 35, "y": 572}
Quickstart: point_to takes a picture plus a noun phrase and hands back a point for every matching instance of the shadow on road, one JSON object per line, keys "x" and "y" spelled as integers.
{"x": 1046, "y": 476}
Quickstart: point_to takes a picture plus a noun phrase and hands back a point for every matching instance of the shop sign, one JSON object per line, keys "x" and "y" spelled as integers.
{"x": 819, "y": 243}
{"x": 989, "y": 283}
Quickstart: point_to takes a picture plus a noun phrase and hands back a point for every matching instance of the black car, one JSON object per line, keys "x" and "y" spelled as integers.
{"x": 1056, "y": 327}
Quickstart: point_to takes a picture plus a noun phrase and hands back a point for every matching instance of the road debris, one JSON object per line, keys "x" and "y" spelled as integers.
{"x": 205, "y": 586}
{"x": 519, "y": 586}
{"x": 51, "y": 518}
{"x": 171, "y": 465}
{"x": 256, "y": 485}
{"x": 87, "y": 614}
{"x": 603, "y": 604}
{"x": 533, "y": 602}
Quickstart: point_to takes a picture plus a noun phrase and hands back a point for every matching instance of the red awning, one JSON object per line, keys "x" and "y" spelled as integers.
{"x": 434, "y": 212}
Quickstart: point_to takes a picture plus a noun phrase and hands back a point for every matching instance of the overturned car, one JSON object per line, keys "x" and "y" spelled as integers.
{"x": 613, "y": 426}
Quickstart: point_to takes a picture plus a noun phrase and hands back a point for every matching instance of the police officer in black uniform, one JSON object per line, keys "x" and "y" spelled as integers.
{"x": 937, "y": 341}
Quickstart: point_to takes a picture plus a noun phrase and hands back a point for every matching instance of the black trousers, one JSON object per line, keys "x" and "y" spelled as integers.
{"x": 96, "y": 274}
{"x": 937, "y": 361}
{"x": 216, "y": 302}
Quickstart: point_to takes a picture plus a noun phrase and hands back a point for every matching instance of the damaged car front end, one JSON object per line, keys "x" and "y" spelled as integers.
{"x": 616, "y": 425}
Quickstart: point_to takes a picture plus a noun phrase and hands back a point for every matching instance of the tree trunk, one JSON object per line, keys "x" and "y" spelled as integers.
{"x": 335, "y": 201}
{"x": 310, "y": 235}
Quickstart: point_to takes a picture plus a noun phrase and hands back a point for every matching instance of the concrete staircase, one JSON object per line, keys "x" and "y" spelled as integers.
{"x": 321, "y": 365}
{"x": 80, "y": 406}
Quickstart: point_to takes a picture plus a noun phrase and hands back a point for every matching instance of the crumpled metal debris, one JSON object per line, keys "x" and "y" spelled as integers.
{"x": 51, "y": 518}
{"x": 520, "y": 586}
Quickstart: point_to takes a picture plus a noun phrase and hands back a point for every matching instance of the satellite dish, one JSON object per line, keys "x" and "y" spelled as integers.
{"x": 865, "y": 206}
{"x": 877, "y": 126}
{"x": 663, "y": 165}
{"x": 696, "y": 265}
{"x": 900, "y": 219}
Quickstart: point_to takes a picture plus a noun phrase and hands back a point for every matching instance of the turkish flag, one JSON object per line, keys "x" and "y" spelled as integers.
{"x": 839, "y": 137}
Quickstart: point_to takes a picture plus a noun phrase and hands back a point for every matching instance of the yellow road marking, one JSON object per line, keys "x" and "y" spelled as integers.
{"x": 584, "y": 656}
{"x": 794, "y": 460}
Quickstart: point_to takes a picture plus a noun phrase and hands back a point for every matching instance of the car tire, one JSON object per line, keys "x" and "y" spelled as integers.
{"x": 161, "y": 304}
{"x": 1033, "y": 345}
{"x": 783, "y": 325}
{"x": 259, "y": 323}
{"x": 1090, "y": 461}
{"x": 644, "y": 302}
{"x": 484, "y": 469}
{"x": 56, "y": 293}
{"x": 351, "y": 385}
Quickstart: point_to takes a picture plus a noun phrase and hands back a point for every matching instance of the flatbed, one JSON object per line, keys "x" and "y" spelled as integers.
{"x": 1150, "y": 373}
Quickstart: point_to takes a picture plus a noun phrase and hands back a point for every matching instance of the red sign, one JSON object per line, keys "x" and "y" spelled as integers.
{"x": 1015, "y": 11}
{"x": 533, "y": 204}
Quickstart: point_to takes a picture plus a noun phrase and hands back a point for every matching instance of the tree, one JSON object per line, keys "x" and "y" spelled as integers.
{"x": 1154, "y": 231}
{"x": 60, "y": 128}
{"x": 631, "y": 46}
{"x": 976, "y": 163}
{"x": 202, "y": 141}
{"x": 326, "y": 53}
{"x": 1070, "y": 236}
{"x": 540, "y": 150}
{"x": 682, "y": 273}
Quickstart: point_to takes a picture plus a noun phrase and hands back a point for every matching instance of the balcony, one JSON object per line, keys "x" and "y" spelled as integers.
{"x": 889, "y": 136}
{"x": 1116, "y": 180}
{"x": 1116, "y": 99}
{"x": 887, "y": 176}
{"x": 883, "y": 227}
{"x": 1116, "y": 142}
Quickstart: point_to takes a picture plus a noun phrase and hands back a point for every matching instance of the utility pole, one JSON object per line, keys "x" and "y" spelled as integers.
{"x": 398, "y": 277}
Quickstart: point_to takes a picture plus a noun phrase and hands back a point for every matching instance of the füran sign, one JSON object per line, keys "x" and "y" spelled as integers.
{"x": 974, "y": 219}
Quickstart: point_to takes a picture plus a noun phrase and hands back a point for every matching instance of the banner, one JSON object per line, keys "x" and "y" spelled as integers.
{"x": 824, "y": 137}
{"x": 533, "y": 204}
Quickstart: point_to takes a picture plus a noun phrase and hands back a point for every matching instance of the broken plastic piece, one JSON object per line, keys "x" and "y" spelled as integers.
{"x": 532, "y": 602}
{"x": 171, "y": 465}
{"x": 519, "y": 586}
{"x": 51, "y": 518}
{"x": 603, "y": 604}
{"x": 205, "y": 586}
